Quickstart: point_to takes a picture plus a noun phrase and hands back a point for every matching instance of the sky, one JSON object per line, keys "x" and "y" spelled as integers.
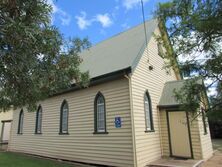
{"x": 99, "y": 19}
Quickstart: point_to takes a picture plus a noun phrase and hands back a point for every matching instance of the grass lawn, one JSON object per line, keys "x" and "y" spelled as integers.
{"x": 9, "y": 159}
{"x": 217, "y": 144}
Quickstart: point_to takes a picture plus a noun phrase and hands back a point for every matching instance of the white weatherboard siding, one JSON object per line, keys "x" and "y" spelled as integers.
{"x": 205, "y": 139}
{"x": 164, "y": 134}
{"x": 148, "y": 146}
{"x": 206, "y": 144}
{"x": 81, "y": 144}
{"x": 195, "y": 138}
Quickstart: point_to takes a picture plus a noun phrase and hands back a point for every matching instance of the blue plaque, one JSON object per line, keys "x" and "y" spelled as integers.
{"x": 118, "y": 122}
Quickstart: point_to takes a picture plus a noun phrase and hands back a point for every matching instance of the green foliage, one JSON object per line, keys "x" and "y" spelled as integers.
{"x": 194, "y": 30}
{"x": 35, "y": 60}
{"x": 163, "y": 41}
{"x": 216, "y": 105}
{"x": 191, "y": 98}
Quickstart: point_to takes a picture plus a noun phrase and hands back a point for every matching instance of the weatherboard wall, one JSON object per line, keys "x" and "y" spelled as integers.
{"x": 206, "y": 143}
{"x": 164, "y": 134}
{"x": 148, "y": 144}
{"x": 195, "y": 137}
{"x": 114, "y": 148}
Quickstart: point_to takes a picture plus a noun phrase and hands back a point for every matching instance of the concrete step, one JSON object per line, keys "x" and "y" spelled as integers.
{"x": 176, "y": 163}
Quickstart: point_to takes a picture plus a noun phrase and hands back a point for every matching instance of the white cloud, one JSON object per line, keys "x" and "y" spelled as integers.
{"x": 212, "y": 91}
{"x": 104, "y": 20}
{"x": 83, "y": 22}
{"x": 130, "y": 4}
{"x": 64, "y": 17}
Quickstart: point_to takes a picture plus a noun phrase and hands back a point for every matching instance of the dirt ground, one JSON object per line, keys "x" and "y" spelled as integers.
{"x": 216, "y": 160}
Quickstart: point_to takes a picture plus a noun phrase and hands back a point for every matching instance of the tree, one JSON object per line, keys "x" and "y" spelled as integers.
{"x": 194, "y": 30}
{"x": 35, "y": 60}
{"x": 215, "y": 115}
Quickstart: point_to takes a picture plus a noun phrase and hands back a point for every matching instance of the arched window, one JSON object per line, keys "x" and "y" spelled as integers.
{"x": 38, "y": 127}
{"x": 20, "y": 124}
{"x": 148, "y": 112}
{"x": 100, "y": 114}
{"x": 64, "y": 113}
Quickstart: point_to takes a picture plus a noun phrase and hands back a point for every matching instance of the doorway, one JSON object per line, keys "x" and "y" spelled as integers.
{"x": 179, "y": 134}
{"x": 6, "y": 129}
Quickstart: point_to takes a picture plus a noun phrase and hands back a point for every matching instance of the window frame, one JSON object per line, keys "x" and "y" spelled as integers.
{"x": 37, "y": 120}
{"x": 20, "y": 126}
{"x": 98, "y": 95}
{"x": 204, "y": 120}
{"x": 151, "y": 129}
{"x": 61, "y": 132}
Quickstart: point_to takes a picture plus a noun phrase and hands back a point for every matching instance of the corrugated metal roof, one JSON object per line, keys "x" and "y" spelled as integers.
{"x": 118, "y": 52}
{"x": 168, "y": 95}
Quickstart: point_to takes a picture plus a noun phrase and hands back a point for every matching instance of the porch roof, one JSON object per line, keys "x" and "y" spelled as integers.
{"x": 168, "y": 98}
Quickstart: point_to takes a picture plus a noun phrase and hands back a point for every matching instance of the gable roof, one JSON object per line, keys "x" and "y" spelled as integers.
{"x": 118, "y": 52}
{"x": 168, "y": 97}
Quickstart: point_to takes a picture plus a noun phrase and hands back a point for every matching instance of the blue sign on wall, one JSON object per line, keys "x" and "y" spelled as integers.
{"x": 118, "y": 122}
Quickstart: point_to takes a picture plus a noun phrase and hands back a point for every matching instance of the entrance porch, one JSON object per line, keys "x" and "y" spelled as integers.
{"x": 182, "y": 135}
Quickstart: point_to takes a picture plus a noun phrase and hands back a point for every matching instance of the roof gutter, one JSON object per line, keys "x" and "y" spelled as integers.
{"x": 98, "y": 80}
{"x": 173, "y": 106}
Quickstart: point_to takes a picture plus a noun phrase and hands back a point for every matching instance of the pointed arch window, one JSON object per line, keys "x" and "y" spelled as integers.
{"x": 148, "y": 112}
{"x": 38, "y": 127}
{"x": 21, "y": 120}
{"x": 64, "y": 113}
{"x": 100, "y": 114}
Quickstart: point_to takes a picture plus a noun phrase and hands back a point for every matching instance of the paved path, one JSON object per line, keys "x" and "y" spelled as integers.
{"x": 215, "y": 161}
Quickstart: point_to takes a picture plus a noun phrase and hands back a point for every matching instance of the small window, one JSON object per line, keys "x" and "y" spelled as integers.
{"x": 21, "y": 120}
{"x": 204, "y": 121}
{"x": 100, "y": 114}
{"x": 38, "y": 127}
{"x": 64, "y": 118}
{"x": 148, "y": 112}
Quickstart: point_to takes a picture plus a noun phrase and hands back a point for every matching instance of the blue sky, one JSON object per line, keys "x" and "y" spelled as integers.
{"x": 98, "y": 19}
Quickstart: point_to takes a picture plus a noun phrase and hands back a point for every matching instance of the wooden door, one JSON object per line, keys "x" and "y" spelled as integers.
{"x": 6, "y": 131}
{"x": 179, "y": 134}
